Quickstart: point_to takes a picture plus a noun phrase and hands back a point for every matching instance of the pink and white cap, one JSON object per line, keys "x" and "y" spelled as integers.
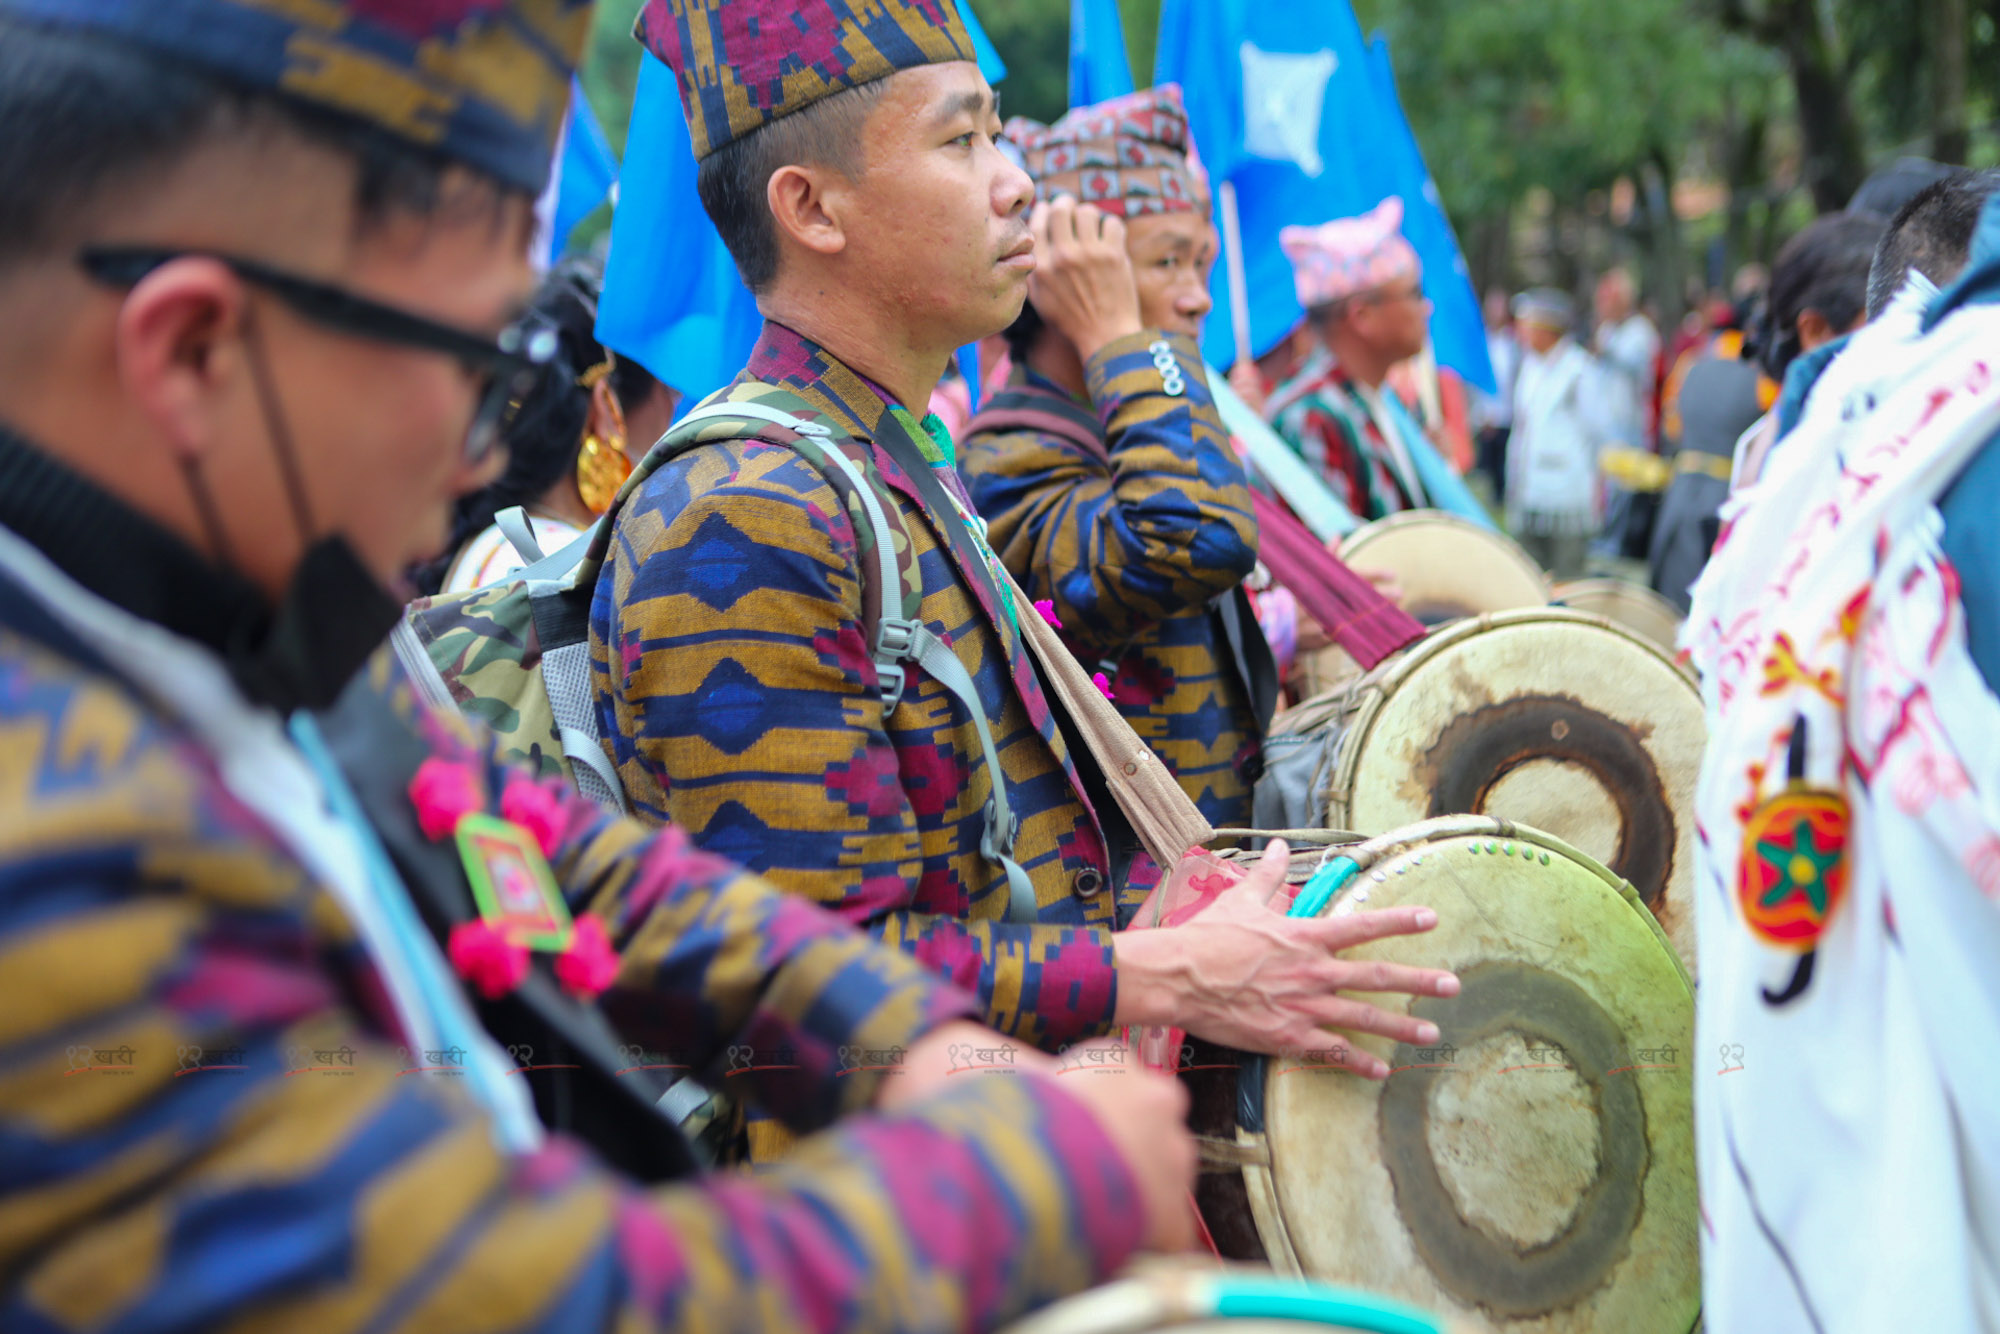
{"x": 1349, "y": 256}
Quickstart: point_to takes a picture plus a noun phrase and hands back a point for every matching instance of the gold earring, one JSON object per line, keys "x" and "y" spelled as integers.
{"x": 601, "y": 468}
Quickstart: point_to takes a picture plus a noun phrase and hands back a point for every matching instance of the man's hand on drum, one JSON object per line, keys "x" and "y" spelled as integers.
{"x": 1142, "y": 1112}
{"x": 1244, "y": 975}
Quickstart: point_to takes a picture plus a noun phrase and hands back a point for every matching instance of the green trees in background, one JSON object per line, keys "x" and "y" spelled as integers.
{"x": 1751, "y": 115}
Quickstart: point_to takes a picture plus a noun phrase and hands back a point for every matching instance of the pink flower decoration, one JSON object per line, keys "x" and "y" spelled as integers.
{"x": 589, "y": 966}
{"x": 1048, "y": 610}
{"x": 536, "y": 809}
{"x": 444, "y": 792}
{"x": 1103, "y": 683}
{"x": 493, "y": 964}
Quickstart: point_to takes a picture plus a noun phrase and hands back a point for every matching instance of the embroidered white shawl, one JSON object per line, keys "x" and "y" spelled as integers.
{"x": 1849, "y": 1138}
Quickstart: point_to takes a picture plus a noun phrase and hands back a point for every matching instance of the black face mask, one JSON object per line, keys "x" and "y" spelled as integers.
{"x": 332, "y": 617}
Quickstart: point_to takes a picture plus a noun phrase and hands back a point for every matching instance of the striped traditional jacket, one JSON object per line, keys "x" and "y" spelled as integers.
{"x": 738, "y": 698}
{"x": 205, "y": 1117}
{"x": 1141, "y": 538}
{"x": 1319, "y": 413}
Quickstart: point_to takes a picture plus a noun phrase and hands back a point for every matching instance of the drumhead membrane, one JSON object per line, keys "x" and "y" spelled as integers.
{"x": 1535, "y": 1169}
{"x": 1552, "y": 719}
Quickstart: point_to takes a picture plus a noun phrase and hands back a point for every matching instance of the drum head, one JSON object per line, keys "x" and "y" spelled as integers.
{"x": 1549, "y": 718}
{"x": 1634, "y": 606}
{"x": 1448, "y": 567}
{"x": 1534, "y": 1169}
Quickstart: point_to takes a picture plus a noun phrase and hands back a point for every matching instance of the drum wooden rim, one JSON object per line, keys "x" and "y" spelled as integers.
{"x": 1161, "y": 1295}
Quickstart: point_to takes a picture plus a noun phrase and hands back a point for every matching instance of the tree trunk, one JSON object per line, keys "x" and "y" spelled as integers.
{"x": 1492, "y": 257}
{"x": 1835, "y": 164}
{"x": 1951, "y": 138}
{"x": 1744, "y": 172}
{"x": 1669, "y": 256}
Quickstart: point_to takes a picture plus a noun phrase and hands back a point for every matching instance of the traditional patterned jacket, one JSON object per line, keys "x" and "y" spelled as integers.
{"x": 1323, "y": 414}
{"x": 738, "y": 698}
{"x": 1132, "y": 515}
{"x": 205, "y": 1116}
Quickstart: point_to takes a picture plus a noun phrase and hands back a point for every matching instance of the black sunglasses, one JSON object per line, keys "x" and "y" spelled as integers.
{"x": 507, "y": 366}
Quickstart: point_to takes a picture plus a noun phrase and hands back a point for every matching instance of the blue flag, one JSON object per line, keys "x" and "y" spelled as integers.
{"x": 1283, "y": 102}
{"x": 990, "y": 63}
{"x": 586, "y": 169}
{"x": 1098, "y": 65}
{"x": 673, "y": 301}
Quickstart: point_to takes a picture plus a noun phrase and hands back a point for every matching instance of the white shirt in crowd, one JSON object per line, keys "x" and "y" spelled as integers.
{"x": 1630, "y": 353}
{"x": 1566, "y": 411}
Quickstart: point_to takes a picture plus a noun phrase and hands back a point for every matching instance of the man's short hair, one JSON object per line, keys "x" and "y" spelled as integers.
{"x": 84, "y": 113}
{"x": 735, "y": 179}
{"x": 1931, "y": 234}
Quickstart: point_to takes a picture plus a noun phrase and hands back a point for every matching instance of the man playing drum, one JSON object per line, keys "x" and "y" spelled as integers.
{"x": 260, "y": 270}
{"x": 740, "y": 673}
{"x": 1112, "y": 493}
{"x": 1363, "y": 291}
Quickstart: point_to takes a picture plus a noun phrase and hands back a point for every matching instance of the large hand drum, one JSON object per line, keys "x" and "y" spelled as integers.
{"x": 1448, "y": 567}
{"x": 1549, "y": 718}
{"x": 1532, "y": 1171}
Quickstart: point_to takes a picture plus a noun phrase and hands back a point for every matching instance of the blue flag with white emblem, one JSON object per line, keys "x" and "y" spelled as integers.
{"x": 1284, "y": 101}
{"x": 673, "y": 300}
{"x": 1098, "y": 65}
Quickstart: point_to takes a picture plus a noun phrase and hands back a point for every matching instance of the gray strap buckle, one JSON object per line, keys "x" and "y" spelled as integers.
{"x": 1001, "y": 831}
{"x": 895, "y": 644}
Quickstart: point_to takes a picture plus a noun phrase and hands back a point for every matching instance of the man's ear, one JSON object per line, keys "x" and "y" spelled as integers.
{"x": 807, "y": 203}
{"x": 179, "y": 341}
{"x": 1815, "y": 330}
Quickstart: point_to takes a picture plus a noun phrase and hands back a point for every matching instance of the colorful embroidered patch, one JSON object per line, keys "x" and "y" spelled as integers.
{"x": 1793, "y": 871}
{"x": 512, "y": 883}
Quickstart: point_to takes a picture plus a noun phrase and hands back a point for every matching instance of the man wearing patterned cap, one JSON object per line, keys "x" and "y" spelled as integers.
{"x": 1116, "y": 496}
{"x": 848, "y": 156}
{"x": 259, "y": 269}
{"x": 1362, "y": 288}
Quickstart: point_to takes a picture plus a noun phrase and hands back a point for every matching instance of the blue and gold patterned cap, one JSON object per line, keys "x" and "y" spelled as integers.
{"x": 742, "y": 64}
{"x": 483, "y": 82}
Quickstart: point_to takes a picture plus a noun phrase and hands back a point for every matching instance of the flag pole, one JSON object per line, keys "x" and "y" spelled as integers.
{"x": 1239, "y": 282}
